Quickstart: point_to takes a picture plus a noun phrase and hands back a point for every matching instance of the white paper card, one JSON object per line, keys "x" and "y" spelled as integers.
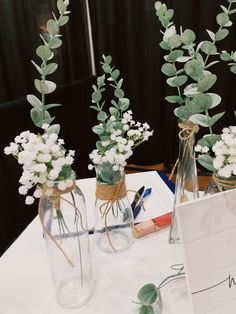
{"x": 208, "y": 233}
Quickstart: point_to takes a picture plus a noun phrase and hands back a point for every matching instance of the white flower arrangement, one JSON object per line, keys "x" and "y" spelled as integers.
{"x": 44, "y": 161}
{"x": 118, "y": 133}
{"x": 223, "y": 163}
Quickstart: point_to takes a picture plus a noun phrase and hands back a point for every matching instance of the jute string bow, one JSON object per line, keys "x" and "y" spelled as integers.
{"x": 187, "y": 132}
{"x": 111, "y": 194}
{"x": 227, "y": 184}
{"x": 55, "y": 199}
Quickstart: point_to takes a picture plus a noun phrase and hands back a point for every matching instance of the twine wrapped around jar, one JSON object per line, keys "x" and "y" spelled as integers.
{"x": 224, "y": 183}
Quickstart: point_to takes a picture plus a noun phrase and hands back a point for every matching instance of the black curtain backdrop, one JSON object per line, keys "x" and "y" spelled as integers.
{"x": 129, "y": 31}
{"x": 21, "y": 23}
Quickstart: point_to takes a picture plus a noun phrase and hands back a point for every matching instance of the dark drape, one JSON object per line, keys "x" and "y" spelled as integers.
{"x": 21, "y": 23}
{"x": 129, "y": 31}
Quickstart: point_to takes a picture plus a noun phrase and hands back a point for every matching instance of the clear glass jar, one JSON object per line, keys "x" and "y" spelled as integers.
{"x": 218, "y": 184}
{"x": 63, "y": 216}
{"x": 114, "y": 220}
{"x": 186, "y": 188}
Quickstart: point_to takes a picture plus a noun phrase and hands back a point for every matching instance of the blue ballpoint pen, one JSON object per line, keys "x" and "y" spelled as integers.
{"x": 138, "y": 207}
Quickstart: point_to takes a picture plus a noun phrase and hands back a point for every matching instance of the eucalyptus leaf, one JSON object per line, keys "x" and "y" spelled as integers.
{"x": 175, "y": 41}
{"x": 177, "y": 80}
{"x": 115, "y": 74}
{"x": 225, "y": 10}
{"x": 36, "y": 116}
{"x": 124, "y": 103}
{"x": 98, "y": 129}
{"x": 63, "y": 20}
{"x": 164, "y": 45}
{"x": 61, "y": 6}
{"x": 169, "y": 69}
{"x": 66, "y": 172}
{"x": 216, "y": 99}
{"x": 119, "y": 93}
{"x": 50, "y": 68}
{"x": 95, "y": 108}
{"x": 102, "y": 116}
{"x": 202, "y": 101}
{"x": 184, "y": 59}
{"x": 52, "y": 27}
{"x": 54, "y": 43}
{"x": 174, "y": 99}
{"x": 164, "y": 21}
{"x": 55, "y": 128}
{"x": 211, "y": 64}
{"x": 35, "y": 102}
{"x": 106, "y": 68}
{"x": 200, "y": 119}
{"x": 182, "y": 113}
{"x": 46, "y": 107}
{"x": 148, "y": 294}
{"x": 215, "y": 118}
{"x": 222, "y": 19}
{"x": 221, "y": 34}
{"x": 96, "y": 96}
{"x": 211, "y": 34}
{"x": 44, "y": 52}
{"x": 174, "y": 55}
{"x": 225, "y": 56}
{"x": 37, "y": 67}
{"x": 207, "y": 82}
{"x": 209, "y": 140}
{"x": 169, "y": 14}
{"x": 208, "y": 47}
{"x": 146, "y": 309}
{"x": 206, "y": 161}
{"x": 114, "y": 112}
{"x": 188, "y": 37}
{"x": 194, "y": 69}
{"x": 108, "y": 59}
{"x": 233, "y": 68}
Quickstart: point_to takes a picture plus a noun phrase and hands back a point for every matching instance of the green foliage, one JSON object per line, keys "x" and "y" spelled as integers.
{"x": 206, "y": 161}
{"x": 39, "y": 113}
{"x": 188, "y": 63}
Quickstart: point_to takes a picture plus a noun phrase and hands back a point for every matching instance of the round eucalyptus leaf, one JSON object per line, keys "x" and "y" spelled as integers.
{"x": 222, "y": 19}
{"x": 55, "y": 42}
{"x": 216, "y": 99}
{"x": 231, "y": 1}
{"x": 211, "y": 34}
{"x": 169, "y": 14}
{"x": 174, "y": 99}
{"x": 164, "y": 21}
{"x": 174, "y": 55}
{"x": 52, "y": 27}
{"x": 225, "y": 56}
{"x": 96, "y": 96}
{"x": 188, "y": 37}
{"x": 100, "y": 80}
{"x": 165, "y": 46}
{"x": 123, "y": 103}
{"x": 98, "y": 129}
{"x": 119, "y": 93}
{"x": 208, "y": 47}
{"x": 106, "y": 68}
{"x": 203, "y": 101}
{"x": 200, "y": 119}
{"x": 169, "y": 69}
{"x": 61, "y": 6}
{"x": 102, "y": 116}
{"x": 209, "y": 140}
{"x": 221, "y": 34}
{"x": 148, "y": 294}
{"x": 215, "y": 118}
{"x": 194, "y": 69}
{"x": 182, "y": 113}
{"x": 35, "y": 102}
{"x": 114, "y": 112}
{"x": 63, "y": 20}
{"x": 233, "y": 68}
{"x": 44, "y": 52}
{"x": 146, "y": 309}
{"x": 206, "y": 161}
{"x": 108, "y": 59}
{"x": 160, "y": 9}
{"x": 55, "y": 128}
{"x": 177, "y": 80}
{"x": 50, "y": 68}
{"x": 36, "y": 116}
{"x": 51, "y": 86}
{"x": 115, "y": 74}
{"x": 207, "y": 82}
{"x": 175, "y": 41}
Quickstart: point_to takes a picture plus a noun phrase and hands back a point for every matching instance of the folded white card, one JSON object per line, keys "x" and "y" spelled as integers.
{"x": 208, "y": 235}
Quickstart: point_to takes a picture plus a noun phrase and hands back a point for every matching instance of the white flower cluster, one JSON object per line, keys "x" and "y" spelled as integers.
{"x": 224, "y": 161}
{"x": 118, "y": 148}
{"x": 42, "y": 158}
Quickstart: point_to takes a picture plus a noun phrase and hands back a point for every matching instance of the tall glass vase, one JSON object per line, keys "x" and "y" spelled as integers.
{"x": 114, "y": 218}
{"x": 186, "y": 179}
{"x": 64, "y": 221}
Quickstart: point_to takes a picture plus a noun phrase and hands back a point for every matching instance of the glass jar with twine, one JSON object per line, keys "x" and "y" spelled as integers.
{"x": 219, "y": 184}
{"x": 64, "y": 221}
{"x": 186, "y": 188}
{"x": 114, "y": 218}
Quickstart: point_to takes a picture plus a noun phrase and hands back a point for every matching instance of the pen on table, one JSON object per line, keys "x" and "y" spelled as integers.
{"x": 137, "y": 208}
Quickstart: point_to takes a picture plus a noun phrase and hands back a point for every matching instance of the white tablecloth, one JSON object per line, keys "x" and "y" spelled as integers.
{"x": 26, "y": 286}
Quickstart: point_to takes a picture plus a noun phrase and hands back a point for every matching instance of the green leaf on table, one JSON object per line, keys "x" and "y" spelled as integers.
{"x": 194, "y": 68}
{"x": 50, "y": 68}
{"x": 54, "y": 43}
{"x": 146, "y": 309}
{"x": 119, "y": 93}
{"x": 188, "y": 37}
{"x": 174, "y": 55}
{"x": 169, "y": 69}
{"x": 215, "y": 118}
{"x": 102, "y": 116}
{"x": 200, "y": 119}
{"x": 207, "y": 82}
{"x": 35, "y": 102}
{"x": 177, "y": 81}
{"x": 44, "y": 52}
{"x": 148, "y": 294}
{"x": 222, "y": 19}
{"x": 208, "y": 47}
{"x": 174, "y": 99}
{"x": 216, "y": 99}
{"x": 46, "y": 107}
{"x": 233, "y": 68}
{"x": 52, "y": 27}
{"x": 221, "y": 34}
{"x": 96, "y": 96}
{"x": 206, "y": 161}
{"x": 63, "y": 20}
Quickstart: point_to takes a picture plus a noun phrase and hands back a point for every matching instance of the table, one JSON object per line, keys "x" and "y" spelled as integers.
{"x": 26, "y": 286}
